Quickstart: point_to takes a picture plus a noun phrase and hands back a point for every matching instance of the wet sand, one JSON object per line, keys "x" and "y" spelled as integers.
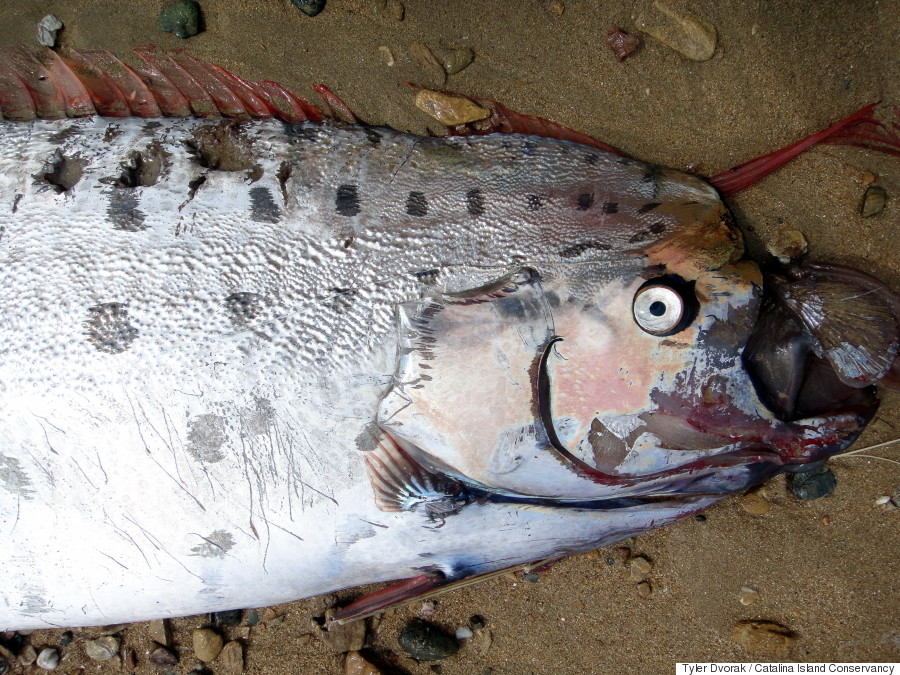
{"x": 825, "y": 569}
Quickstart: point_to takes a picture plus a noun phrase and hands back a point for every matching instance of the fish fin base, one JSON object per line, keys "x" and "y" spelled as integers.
{"x": 403, "y": 484}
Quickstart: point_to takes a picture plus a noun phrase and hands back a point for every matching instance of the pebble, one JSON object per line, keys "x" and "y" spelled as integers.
{"x": 160, "y": 633}
{"x": 102, "y": 649}
{"x": 48, "y": 30}
{"x": 48, "y": 659}
{"x": 355, "y": 664}
{"x": 689, "y": 35}
{"x": 557, "y": 8}
{"x": 644, "y": 589}
{"x": 387, "y": 55}
{"x": 207, "y": 644}
{"x": 755, "y": 503}
{"x": 66, "y": 638}
{"x": 348, "y": 637}
{"x": 426, "y": 642}
{"x": 183, "y": 18}
{"x": 873, "y": 201}
{"x": 252, "y": 617}
{"x": 748, "y": 595}
{"x": 454, "y": 61}
{"x": 640, "y": 568}
{"x": 163, "y": 658}
{"x": 813, "y": 484}
{"x": 130, "y": 659}
{"x": 231, "y": 617}
{"x": 448, "y": 109}
{"x": 622, "y": 43}
{"x": 429, "y": 64}
{"x": 231, "y": 658}
{"x": 427, "y": 608}
{"x": 28, "y": 655}
{"x": 463, "y": 633}
{"x": 309, "y": 7}
{"x": 763, "y": 636}
{"x": 788, "y": 245}
{"x": 531, "y": 577}
{"x": 477, "y": 622}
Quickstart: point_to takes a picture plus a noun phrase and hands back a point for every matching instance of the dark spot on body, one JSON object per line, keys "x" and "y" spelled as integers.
{"x": 428, "y": 277}
{"x": 373, "y": 136}
{"x": 535, "y": 203}
{"x": 284, "y": 175}
{"x": 585, "y": 201}
{"x": 263, "y": 208}
{"x": 342, "y": 299}
{"x": 417, "y": 204}
{"x": 348, "y": 242}
{"x": 528, "y": 148}
{"x": 245, "y": 307}
{"x": 16, "y": 200}
{"x": 649, "y": 206}
{"x": 214, "y": 545}
{"x": 657, "y": 228}
{"x": 144, "y": 168}
{"x": 610, "y": 207}
{"x": 255, "y": 173}
{"x": 577, "y": 249}
{"x": 63, "y": 135}
{"x": 346, "y": 200}
{"x": 109, "y": 328}
{"x": 62, "y": 172}
{"x": 222, "y": 147}
{"x": 475, "y": 202}
{"x": 151, "y": 126}
{"x": 206, "y": 435}
{"x": 112, "y": 133}
{"x": 552, "y": 298}
{"x": 643, "y": 235}
{"x": 193, "y": 186}
{"x": 124, "y": 213}
{"x": 303, "y": 131}
{"x": 591, "y": 158}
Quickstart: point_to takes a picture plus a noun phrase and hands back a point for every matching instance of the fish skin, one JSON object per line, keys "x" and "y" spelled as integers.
{"x": 192, "y": 370}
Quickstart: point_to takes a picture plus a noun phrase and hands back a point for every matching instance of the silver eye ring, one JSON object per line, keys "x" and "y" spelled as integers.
{"x": 658, "y": 309}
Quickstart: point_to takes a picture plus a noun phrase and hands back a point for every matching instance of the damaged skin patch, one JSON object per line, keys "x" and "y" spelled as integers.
{"x": 206, "y": 434}
{"x": 124, "y": 213}
{"x": 144, "y": 168}
{"x": 222, "y": 147}
{"x": 109, "y": 329}
{"x": 214, "y": 545}
{"x": 263, "y": 208}
{"x": 13, "y": 478}
{"x": 62, "y": 172}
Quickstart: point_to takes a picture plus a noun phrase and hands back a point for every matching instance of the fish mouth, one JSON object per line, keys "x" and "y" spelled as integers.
{"x": 826, "y": 335}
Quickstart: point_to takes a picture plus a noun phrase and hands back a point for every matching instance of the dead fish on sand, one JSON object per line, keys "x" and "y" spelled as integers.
{"x": 247, "y": 362}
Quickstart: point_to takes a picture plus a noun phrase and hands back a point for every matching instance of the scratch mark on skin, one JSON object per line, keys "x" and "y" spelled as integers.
{"x": 158, "y": 545}
{"x": 83, "y": 473}
{"x": 113, "y": 559}
{"x": 375, "y": 524}
{"x": 47, "y": 472}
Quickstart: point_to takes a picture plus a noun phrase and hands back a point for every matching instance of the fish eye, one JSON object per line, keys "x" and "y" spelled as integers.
{"x": 664, "y": 306}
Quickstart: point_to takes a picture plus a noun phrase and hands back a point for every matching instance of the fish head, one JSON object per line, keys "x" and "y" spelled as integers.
{"x": 652, "y": 372}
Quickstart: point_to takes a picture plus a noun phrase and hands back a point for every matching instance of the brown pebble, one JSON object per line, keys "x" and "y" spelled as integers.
{"x": 103, "y": 648}
{"x": 766, "y": 637}
{"x": 689, "y": 35}
{"x": 450, "y": 110}
{"x": 387, "y": 55}
{"x": 28, "y": 655}
{"x": 867, "y": 178}
{"x": 130, "y": 659}
{"x": 557, "y": 8}
{"x": 456, "y": 60}
{"x": 644, "y": 589}
{"x": 231, "y": 658}
{"x": 355, "y": 664}
{"x": 755, "y": 503}
{"x": 160, "y": 632}
{"x": 873, "y": 201}
{"x": 640, "y": 567}
{"x": 349, "y": 637}
{"x": 426, "y": 60}
{"x": 163, "y": 658}
{"x": 207, "y": 644}
{"x": 788, "y": 245}
{"x": 826, "y": 520}
{"x": 748, "y": 595}
{"x": 621, "y": 43}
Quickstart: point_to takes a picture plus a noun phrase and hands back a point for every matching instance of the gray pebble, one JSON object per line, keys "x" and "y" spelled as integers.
{"x": 65, "y": 639}
{"x": 102, "y": 649}
{"x": 48, "y": 30}
{"x": 812, "y": 484}
{"x": 231, "y": 617}
{"x": 183, "y": 18}
{"x": 463, "y": 633}
{"x": 309, "y": 7}
{"x": 426, "y": 642}
{"x": 48, "y": 659}
{"x": 252, "y": 617}
{"x": 162, "y": 657}
{"x": 531, "y": 577}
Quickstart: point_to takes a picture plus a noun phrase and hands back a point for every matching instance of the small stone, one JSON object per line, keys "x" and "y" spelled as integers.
{"x": 766, "y": 637}
{"x": 348, "y": 637}
{"x": 231, "y": 617}
{"x": 689, "y": 35}
{"x": 867, "y": 178}
{"x": 183, "y": 18}
{"x": 883, "y": 500}
{"x": 207, "y": 644}
{"x": 644, "y": 589}
{"x": 231, "y": 658}
{"x": 427, "y": 608}
{"x": 450, "y": 110}
{"x": 66, "y": 638}
{"x": 826, "y": 520}
{"x": 429, "y": 64}
{"x": 813, "y": 484}
{"x": 48, "y": 659}
{"x": 557, "y": 8}
{"x": 130, "y": 659}
{"x": 873, "y": 201}
{"x": 252, "y": 617}
{"x": 477, "y": 622}
{"x": 426, "y": 642}
{"x": 28, "y": 655}
{"x": 387, "y": 55}
{"x": 309, "y": 7}
{"x": 454, "y": 61}
{"x": 622, "y": 43}
{"x": 531, "y": 577}
{"x": 640, "y": 567}
{"x": 700, "y": 518}
{"x": 160, "y": 633}
{"x": 355, "y": 664}
{"x": 748, "y": 595}
{"x": 755, "y": 502}
{"x": 102, "y": 649}
{"x": 270, "y": 615}
{"x": 163, "y": 658}
{"x": 463, "y": 633}
{"x": 788, "y": 245}
{"x": 48, "y": 30}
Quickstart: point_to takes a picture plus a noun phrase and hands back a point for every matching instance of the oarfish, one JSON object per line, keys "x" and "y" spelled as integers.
{"x": 247, "y": 362}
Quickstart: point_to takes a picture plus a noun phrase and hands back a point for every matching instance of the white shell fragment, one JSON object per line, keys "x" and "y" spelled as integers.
{"x": 48, "y": 30}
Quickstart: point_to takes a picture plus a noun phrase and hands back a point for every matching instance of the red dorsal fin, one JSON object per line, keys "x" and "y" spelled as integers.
{"x": 76, "y": 98}
{"x": 139, "y": 98}
{"x": 40, "y": 83}
{"x": 225, "y": 101}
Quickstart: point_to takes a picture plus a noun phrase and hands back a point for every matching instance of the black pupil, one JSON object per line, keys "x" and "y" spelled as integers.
{"x": 658, "y": 308}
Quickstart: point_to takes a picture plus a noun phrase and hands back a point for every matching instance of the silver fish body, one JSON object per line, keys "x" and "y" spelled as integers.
{"x": 209, "y": 331}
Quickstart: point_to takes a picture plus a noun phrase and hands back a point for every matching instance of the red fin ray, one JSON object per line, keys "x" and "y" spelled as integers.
{"x": 107, "y": 98}
{"x": 40, "y": 83}
{"x": 139, "y": 98}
